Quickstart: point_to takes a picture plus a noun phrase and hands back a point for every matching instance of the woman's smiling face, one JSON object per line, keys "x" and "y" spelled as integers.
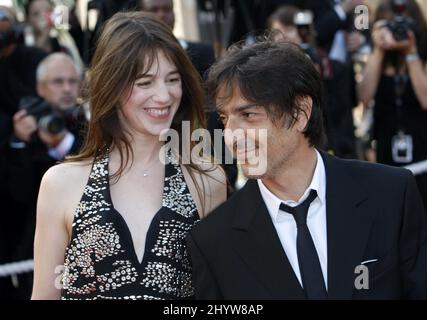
{"x": 151, "y": 103}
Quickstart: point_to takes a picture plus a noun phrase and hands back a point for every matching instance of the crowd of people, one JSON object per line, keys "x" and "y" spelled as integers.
{"x": 119, "y": 222}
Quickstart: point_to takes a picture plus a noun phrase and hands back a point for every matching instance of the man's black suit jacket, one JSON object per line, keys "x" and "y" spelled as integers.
{"x": 373, "y": 212}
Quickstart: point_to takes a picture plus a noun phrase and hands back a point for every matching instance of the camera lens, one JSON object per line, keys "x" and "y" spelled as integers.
{"x": 399, "y": 27}
{"x": 52, "y": 123}
{"x": 400, "y": 33}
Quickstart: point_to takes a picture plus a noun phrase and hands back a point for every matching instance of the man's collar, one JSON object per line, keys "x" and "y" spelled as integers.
{"x": 318, "y": 183}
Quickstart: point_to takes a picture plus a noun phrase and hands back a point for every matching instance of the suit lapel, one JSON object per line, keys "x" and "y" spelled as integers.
{"x": 257, "y": 243}
{"x": 349, "y": 219}
{"x": 348, "y": 223}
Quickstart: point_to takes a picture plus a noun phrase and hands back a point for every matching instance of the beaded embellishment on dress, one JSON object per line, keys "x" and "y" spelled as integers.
{"x": 100, "y": 260}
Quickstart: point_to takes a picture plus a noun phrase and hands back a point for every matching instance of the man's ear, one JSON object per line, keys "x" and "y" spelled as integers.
{"x": 41, "y": 89}
{"x": 305, "y": 105}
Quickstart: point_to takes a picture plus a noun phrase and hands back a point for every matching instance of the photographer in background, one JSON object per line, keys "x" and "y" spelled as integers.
{"x": 18, "y": 65}
{"x": 45, "y": 131}
{"x": 290, "y": 24}
{"x": 282, "y": 23}
{"x": 395, "y": 78}
{"x": 58, "y": 84}
{"x": 43, "y": 32}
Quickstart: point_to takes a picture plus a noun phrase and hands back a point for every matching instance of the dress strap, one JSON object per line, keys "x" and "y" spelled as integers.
{"x": 99, "y": 169}
{"x": 177, "y": 196}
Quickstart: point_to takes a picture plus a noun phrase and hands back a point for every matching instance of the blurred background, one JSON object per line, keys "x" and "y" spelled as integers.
{"x": 376, "y": 114}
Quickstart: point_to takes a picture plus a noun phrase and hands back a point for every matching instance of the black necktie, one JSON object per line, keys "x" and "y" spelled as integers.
{"x": 308, "y": 260}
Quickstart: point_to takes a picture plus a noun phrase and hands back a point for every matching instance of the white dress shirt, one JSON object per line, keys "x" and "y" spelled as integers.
{"x": 316, "y": 220}
{"x": 59, "y": 152}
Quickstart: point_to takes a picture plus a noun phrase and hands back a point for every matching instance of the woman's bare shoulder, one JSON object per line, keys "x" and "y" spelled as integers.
{"x": 67, "y": 172}
{"x": 63, "y": 184}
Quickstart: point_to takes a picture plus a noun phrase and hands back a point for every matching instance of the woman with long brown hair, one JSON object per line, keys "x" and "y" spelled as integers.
{"x": 100, "y": 233}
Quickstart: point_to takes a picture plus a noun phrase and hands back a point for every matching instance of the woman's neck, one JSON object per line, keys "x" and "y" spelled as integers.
{"x": 43, "y": 41}
{"x": 145, "y": 148}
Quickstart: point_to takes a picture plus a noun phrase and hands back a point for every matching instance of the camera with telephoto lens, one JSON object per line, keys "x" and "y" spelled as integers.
{"x": 400, "y": 24}
{"x": 47, "y": 118}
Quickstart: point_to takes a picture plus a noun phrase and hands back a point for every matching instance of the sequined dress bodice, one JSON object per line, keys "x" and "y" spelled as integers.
{"x": 100, "y": 260}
